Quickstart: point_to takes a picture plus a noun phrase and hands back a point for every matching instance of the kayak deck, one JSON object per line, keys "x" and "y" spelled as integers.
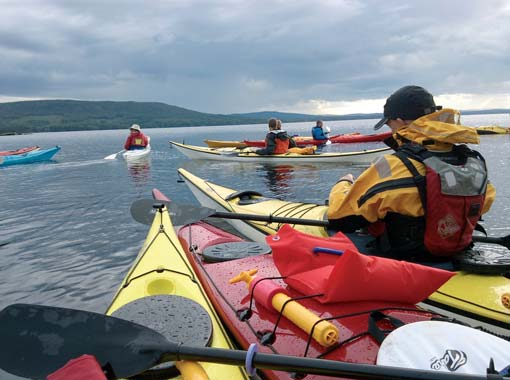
{"x": 276, "y": 334}
{"x": 162, "y": 269}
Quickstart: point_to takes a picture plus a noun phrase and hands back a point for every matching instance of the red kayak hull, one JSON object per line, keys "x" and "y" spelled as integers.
{"x": 351, "y": 318}
{"x": 18, "y": 151}
{"x": 349, "y": 138}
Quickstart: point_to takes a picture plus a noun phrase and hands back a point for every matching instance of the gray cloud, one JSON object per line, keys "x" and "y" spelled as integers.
{"x": 239, "y": 56}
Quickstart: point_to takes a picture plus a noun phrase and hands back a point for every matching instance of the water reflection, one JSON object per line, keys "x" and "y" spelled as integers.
{"x": 278, "y": 178}
{"x": 140, "y": 173}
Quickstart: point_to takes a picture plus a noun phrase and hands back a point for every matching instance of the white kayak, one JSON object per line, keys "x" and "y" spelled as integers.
{"x": 232, "y": 154}
{"x": 137, "y": 154}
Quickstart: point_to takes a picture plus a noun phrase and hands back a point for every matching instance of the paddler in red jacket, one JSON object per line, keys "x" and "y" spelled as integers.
{"x": 401, "y": 197}
{"x": 136, "y": 139}
{"x": 277, "y": 140}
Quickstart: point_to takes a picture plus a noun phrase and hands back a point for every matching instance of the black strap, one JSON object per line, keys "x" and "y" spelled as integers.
{"x": 378, "y": 333}
{"x": 419, "y": 179}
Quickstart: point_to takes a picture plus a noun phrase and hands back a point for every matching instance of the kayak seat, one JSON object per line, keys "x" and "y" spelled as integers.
{"x": 233, "y": 251}
{"x": 245, "y": 196}
{"x": 171, "y": 316}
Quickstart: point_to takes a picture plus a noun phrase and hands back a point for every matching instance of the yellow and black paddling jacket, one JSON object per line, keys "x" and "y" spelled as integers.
{"x": 386, "y": 198}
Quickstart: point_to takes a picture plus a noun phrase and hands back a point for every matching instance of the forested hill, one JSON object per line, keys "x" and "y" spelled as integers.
{"x": 73, "y": 115}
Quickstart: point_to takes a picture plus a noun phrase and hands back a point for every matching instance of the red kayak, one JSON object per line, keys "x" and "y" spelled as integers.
{"x": 218, "y": 256}
{"x": 356, "y": 138}
{"x": 337, "y": 139}
{"x": 18, "y": 151}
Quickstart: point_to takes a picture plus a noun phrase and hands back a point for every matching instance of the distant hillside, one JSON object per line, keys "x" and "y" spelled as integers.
{"x": 72, "y": 115}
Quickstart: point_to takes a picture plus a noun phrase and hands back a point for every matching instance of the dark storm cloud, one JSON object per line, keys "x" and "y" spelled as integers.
{"x": 235, "y": 56}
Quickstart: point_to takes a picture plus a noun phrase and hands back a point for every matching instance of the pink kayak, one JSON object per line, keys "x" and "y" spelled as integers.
{"x": 337, "y": 139}
{"x": 18, "y": 151}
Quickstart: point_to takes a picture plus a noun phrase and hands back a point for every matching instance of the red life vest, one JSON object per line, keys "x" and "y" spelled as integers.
{"x": 452, "y": 197}
{"x": 281, "y": 145}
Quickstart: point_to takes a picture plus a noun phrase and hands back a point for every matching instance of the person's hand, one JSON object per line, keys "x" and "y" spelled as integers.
{"x": 347, "y": 178}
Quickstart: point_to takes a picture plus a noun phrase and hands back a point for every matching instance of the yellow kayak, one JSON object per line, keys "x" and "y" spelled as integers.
{"x": 225, "y": 144}
{"x": 162, "y": 289}
{"x": 492, "y": 130}
{"x": 480, "y": 300}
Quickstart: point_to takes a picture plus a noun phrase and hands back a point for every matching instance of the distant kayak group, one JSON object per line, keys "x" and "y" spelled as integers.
{"x": 279, "y": 147}
{"x": 294, "y": 148}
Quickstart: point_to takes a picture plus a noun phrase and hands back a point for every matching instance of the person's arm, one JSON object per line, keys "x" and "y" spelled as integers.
{"x": 314, "y": 133}
{"x": 346, "y": 223}
{"x": 490, "y": 195}
{"x": 270, "y": 145}
{"x": 368, "y": 199}
{"x": 127, "y": 144}
{"x": 292, "y": 143}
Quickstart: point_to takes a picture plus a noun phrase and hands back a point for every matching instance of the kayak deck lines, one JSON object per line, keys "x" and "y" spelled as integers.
{"x": 267, "y": 338}
{"x": 190, "y": 275}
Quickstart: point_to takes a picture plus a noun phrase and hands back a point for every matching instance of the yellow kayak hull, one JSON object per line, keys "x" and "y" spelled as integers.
{"x": 225, "y": 144}
{"x": 162, "y": 268}
{"x": 481, "y": 300}
{"x": 493, "y": 130}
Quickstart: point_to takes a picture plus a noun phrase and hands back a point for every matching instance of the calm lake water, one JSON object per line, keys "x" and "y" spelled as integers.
{"x": 66, "y": 234}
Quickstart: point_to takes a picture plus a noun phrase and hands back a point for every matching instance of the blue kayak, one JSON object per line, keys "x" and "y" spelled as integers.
{"x": 28, "y": 158}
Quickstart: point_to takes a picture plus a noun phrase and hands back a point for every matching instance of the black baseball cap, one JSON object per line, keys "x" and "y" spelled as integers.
{"x": 408, "y": 103}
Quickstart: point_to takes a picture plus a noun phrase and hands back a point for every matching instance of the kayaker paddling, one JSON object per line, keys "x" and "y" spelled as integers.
{"x": 319, "y": 134}
{"x": 401, "y": 197}
{"x": 136, "y": 139}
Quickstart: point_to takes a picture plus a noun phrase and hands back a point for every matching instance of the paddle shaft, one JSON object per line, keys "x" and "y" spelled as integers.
{"x": 312, "y": 366}
{"x": 270, "y": 219}
{"x": 504, "y": 241}
{"x": 33, "y": 332}
{"x": 185, "y": 214}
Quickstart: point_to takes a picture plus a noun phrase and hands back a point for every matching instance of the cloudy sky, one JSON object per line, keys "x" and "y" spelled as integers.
{"x": 228, "y": 56}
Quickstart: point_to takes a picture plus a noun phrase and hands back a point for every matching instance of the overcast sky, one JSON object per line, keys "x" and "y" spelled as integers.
{"x": 316, "y": 56}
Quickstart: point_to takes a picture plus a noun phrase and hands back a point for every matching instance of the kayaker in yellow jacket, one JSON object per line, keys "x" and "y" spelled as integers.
{"x": 386, "y": 197}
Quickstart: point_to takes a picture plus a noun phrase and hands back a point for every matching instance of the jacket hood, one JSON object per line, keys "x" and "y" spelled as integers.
{"x": 438, "y": 131}
{"x": 280, "y": 133}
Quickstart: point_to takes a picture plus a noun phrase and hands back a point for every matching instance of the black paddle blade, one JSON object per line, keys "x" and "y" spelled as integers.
{"x": 38, "y": 340}
{"x": 182, "y": 214}
{"x": 143, "y": 211}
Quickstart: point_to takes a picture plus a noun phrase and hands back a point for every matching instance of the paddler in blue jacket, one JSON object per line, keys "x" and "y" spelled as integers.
{"x": 386, "y": 197}
{"x": 318, "y": 132}
{"x": 277, "y": 140}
